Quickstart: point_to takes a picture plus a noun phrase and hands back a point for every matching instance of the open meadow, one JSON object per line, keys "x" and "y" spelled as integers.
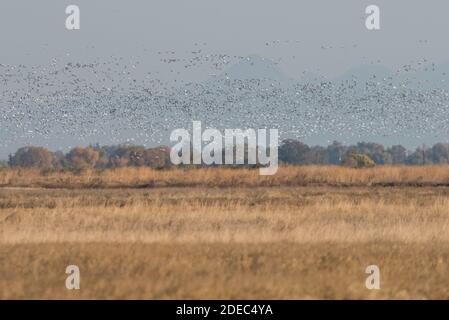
{"x": 304, "y": 233}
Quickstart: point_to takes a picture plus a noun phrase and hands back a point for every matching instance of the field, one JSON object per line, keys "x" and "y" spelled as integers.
{"x": 304, "y": 233}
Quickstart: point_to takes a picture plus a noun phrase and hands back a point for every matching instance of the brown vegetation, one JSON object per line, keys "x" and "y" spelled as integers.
{"x": 279, "y": 270}
{"x": 258, "y": 215}
{"x": 139, "y": 177}
{"x": 241, "y": 241}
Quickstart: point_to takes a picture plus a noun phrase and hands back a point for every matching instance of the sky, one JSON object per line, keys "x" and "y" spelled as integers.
{"x": 33, "y": 31}
{"x": 326, "y": 38}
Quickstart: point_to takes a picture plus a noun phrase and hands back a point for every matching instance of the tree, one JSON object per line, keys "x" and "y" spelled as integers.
{"x": 293, "y": 151}
{"x": 373, "y": 150}
{"x": 420, "y": 157}
{"x": 398, "y": 154}
{"x": 317, "y": 155}
{"x": 58, "y": 160}
{"x": 31, "y": 157}
{"x": 82, "y": 158}
{"x": 357, "y": 160}
{"x": 126, "y": 155}
{"x": 157, "y": 157}
{"x": 440, "y": 153}
{"x": 335, "y": 152}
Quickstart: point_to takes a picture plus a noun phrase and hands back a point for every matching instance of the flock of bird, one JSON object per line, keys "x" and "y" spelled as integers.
{"x": 121, "y": 100}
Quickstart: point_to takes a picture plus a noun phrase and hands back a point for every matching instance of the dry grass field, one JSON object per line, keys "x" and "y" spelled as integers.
{"x": 142, "y": 177}
{"x": 304, "y": 233}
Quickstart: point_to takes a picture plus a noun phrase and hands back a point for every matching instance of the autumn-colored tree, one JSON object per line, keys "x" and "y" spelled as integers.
{"x": 124, "y": 156}
{"x": 357, "y": 160}
{"x": 82, "y": 158}
{"x": 31, "y": 157}
{"x": 157, "y": 157}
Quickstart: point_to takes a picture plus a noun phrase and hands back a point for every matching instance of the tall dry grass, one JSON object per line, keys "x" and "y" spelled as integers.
{"x": 133, "y": 177}
{"x": 225, "y": 243}
{"x": 307, "y": 232}
{"x": 260, "y": 215}
{"x": 279, "y": 270}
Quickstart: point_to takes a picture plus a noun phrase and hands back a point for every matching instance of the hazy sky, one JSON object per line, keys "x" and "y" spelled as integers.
{"x": 325, "y": 37}
{"x": 34, "y": 31}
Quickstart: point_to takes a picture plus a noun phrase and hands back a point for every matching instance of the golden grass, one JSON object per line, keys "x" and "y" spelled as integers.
{"x": 234, "y": 235}
{"x": 261, "y": 215}
{"x": 135, "y": 177}
{"x": 278, "y": 270}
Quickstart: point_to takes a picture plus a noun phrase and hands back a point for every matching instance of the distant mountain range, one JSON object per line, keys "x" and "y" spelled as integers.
{"x": 425, "y": 75}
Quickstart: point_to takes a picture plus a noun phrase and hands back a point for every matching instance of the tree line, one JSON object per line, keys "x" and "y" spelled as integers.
{"x": 91, "y": 157}
{"x": 290, "y": 152}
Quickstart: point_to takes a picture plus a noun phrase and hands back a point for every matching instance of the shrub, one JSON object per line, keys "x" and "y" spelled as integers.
{"x": 357, "y": 160}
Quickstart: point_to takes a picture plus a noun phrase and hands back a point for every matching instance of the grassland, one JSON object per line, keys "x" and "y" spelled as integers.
{"x": 307, "y": 232}
{"x": 142, "y": 177}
